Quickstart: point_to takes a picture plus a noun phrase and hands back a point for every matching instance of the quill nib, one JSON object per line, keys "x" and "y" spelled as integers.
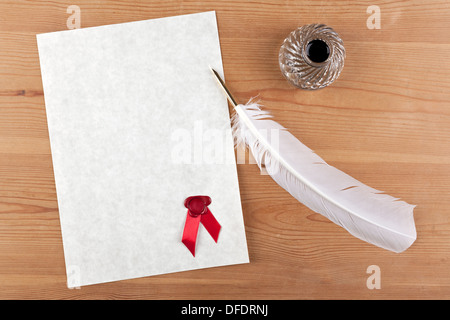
{"x": 224, "y": 87}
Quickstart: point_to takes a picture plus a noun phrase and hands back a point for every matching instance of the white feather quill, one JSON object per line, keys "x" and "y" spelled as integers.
{"x": 364, "y": 212}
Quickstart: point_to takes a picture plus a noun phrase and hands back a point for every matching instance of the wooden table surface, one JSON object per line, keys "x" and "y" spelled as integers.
{"x": 385, "y": 121}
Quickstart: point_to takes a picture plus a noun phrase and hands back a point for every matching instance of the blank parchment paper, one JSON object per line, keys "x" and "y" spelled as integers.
{"x": 137, "y": 124}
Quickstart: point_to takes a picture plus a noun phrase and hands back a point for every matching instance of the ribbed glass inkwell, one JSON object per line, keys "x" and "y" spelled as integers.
{"x": 312, "y": 56}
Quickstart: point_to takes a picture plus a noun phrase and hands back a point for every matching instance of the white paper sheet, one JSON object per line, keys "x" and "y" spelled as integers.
{"x": 137, "y": 124}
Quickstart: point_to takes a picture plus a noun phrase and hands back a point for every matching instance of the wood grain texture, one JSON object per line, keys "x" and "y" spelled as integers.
{"x": 385, "y": 121}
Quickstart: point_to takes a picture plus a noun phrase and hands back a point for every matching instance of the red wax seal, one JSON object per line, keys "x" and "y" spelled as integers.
{"x": 197, "y": 205}
{"x": 198, "y": 212}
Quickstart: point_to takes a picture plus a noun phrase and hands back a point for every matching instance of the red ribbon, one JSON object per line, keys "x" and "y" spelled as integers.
{"x": 198, "y": 212}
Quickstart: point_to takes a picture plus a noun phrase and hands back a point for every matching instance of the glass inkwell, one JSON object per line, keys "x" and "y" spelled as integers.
{"x": 312, "y": 56}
